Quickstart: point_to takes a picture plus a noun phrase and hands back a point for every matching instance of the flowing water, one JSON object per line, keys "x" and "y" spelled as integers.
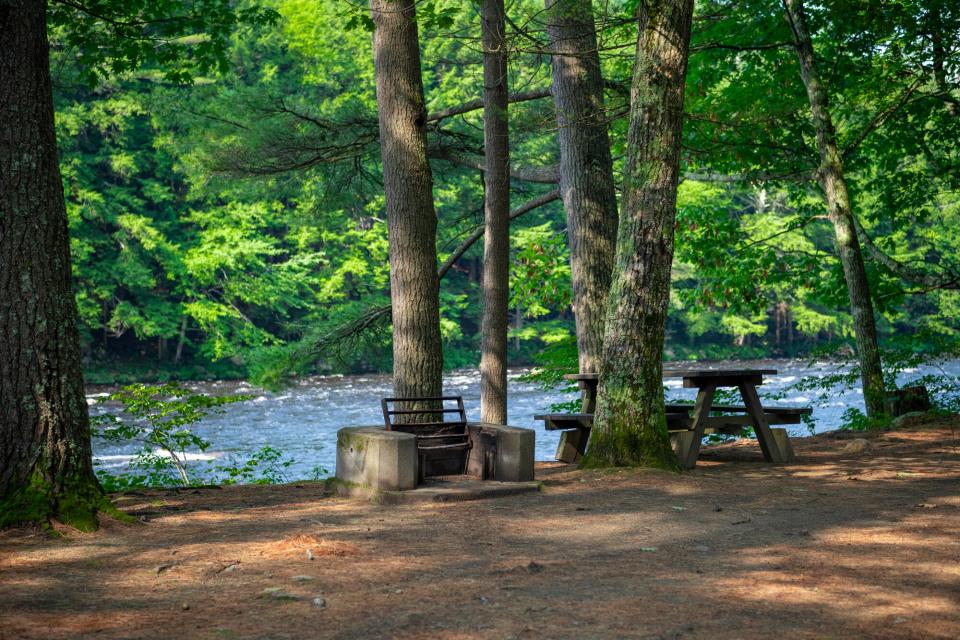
{"x": 302, "y": 421}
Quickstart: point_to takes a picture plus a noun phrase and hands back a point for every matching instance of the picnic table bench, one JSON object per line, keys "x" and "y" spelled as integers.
{"x": 688, "y": 423}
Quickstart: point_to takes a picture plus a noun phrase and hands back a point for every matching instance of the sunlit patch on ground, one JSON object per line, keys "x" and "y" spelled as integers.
{"x": 833, "y": 546}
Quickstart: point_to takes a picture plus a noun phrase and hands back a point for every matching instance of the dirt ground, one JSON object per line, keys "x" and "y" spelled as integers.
{"x": 843, "y": 544}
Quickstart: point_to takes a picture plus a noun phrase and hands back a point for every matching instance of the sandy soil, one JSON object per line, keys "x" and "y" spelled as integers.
{"x": 840, "y": 545}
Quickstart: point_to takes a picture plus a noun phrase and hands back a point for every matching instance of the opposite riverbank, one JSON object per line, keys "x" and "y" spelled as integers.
{"x": 859, "y": 538}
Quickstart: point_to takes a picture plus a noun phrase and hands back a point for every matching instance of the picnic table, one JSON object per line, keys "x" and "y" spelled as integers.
{"x": 689, "y": 423}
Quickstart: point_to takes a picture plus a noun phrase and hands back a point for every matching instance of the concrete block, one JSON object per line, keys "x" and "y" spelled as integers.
{"x": 376, "y": 459}
{"x": 500, "y": 452}
{"x": 515, "y": 452}
{"x": 482, "y": 457}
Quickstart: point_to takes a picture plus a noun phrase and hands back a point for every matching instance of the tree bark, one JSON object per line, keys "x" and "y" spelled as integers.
{"x": 46, "y": 468}
{"x": 586, "y": 169}
{"x": 630, "y": 426}
{"x": 496, "y": 213}
{"x": 840, "y": 213}
{"x": 181, "y": 339}
{"x": 408, "y": 185}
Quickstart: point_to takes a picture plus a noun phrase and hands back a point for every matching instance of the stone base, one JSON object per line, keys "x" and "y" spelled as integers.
{"x": 500, "y": 452}
{"x": 372, "y": 462}
{"x": 442, "y": 489}
{"x": 375, "y": 459}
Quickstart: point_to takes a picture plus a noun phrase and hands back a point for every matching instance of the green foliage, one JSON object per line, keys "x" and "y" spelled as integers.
{"x": 186, "y": 40}
{"x": 901, "y": 360}
{"x": 160, "y": 418}
{"x": 233, "y": 226}
{"x": 539, "y": 271}
{"x": 553, "y": 362}
{"x": 265, "y": 466}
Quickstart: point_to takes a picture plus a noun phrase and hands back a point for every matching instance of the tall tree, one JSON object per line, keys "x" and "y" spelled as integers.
{"x": 630, "y": 425}
{"x": 496, "y": 212}
{"x": 586, "y": 168}
{"x": 46, "y": 470}
{"x": 408, "y": 184}
{"x": 840, "y": 212}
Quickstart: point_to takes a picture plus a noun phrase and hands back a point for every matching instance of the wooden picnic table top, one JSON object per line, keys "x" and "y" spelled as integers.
{"x": 690, "y": 373}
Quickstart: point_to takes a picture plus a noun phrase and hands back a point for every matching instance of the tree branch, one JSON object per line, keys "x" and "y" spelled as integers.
{"x": 541, "y": 175}
{"x": 881, "y": 117}
{"x": 476, "y": 105}
{"x": 477, "y": 233}
{"x": 759, "y": 176}
{"x": 949, "y": 280}
{"x": 735, "y": 47}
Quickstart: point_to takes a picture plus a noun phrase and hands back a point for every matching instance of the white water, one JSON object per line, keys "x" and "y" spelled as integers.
{"x": 302, "y": 421}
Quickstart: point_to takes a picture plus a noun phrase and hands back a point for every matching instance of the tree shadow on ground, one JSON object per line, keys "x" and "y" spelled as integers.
{"x": 833, "y": 546}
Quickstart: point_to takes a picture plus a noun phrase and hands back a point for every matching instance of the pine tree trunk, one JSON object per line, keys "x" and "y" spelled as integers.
{"x": 586, "y": 168}
{"x": 496, "y": 209}
{"x": 408, "y": 184}
{"x": 46, "y": 469}
{"x": 841, "y": 214}
{"x": 630, "y": 426}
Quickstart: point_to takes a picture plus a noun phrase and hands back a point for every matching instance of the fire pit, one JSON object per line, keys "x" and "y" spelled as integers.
{"x": 419, "y": 447}
{"x": 443, "y": 446}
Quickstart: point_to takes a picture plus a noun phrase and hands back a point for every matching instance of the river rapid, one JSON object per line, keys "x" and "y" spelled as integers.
{"x": 302, "y": 421}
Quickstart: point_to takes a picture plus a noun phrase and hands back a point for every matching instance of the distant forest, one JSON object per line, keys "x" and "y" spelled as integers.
{"x": 223, "y": 226}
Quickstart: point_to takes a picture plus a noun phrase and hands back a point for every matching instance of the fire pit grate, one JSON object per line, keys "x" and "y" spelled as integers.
{"x": 443, "y": 446}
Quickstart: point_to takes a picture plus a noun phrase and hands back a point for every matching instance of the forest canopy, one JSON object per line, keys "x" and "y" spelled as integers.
{"x": 225, "y": 217}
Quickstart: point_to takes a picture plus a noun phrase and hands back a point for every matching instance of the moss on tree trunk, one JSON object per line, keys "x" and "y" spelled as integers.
{"x": 46, "y": 469}
{"x": 74, "y": 501}
{"x": 840, "y": 212}
{"x": 630, "y": 426}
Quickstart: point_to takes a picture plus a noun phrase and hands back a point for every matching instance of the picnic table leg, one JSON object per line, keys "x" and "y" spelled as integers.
{"x": 701, "y": 409}
{"x": 768, "y": 444}
{"x": 572, "y": 445}
{"x": 588, "y": 395}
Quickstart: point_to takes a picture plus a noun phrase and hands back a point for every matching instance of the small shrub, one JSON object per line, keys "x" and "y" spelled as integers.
{"x": 160, "y": 418}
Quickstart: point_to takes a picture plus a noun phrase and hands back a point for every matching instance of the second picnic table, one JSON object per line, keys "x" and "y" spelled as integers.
{"x": 689, "y": 423}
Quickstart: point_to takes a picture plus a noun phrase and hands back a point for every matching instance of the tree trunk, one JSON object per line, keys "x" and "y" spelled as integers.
{"x": 408, "y": 185}
{"x": 181, "y": 339}
{"x": 46, "y": 468}
{"x": 496, "y": 211}
{"x": 840, "y": 212}
{"x": 586, "y": 169}
{"x": 630, "y": 426}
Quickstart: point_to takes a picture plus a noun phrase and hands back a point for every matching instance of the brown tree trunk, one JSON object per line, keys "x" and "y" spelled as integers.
{"x": 496, "y": 210}
{"x": 586, "y": 169}
{"x": 408, "y": 185}
{"x": 841, "y": 214}
{"x": 630, "y": 426}
{"x": 46, "y": 469}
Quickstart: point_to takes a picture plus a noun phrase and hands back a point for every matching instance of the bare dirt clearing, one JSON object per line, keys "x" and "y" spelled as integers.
{"x": 845, "y": 543}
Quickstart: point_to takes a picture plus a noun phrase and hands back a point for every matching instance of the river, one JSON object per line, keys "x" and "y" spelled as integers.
{"x": 302, "y": 421}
